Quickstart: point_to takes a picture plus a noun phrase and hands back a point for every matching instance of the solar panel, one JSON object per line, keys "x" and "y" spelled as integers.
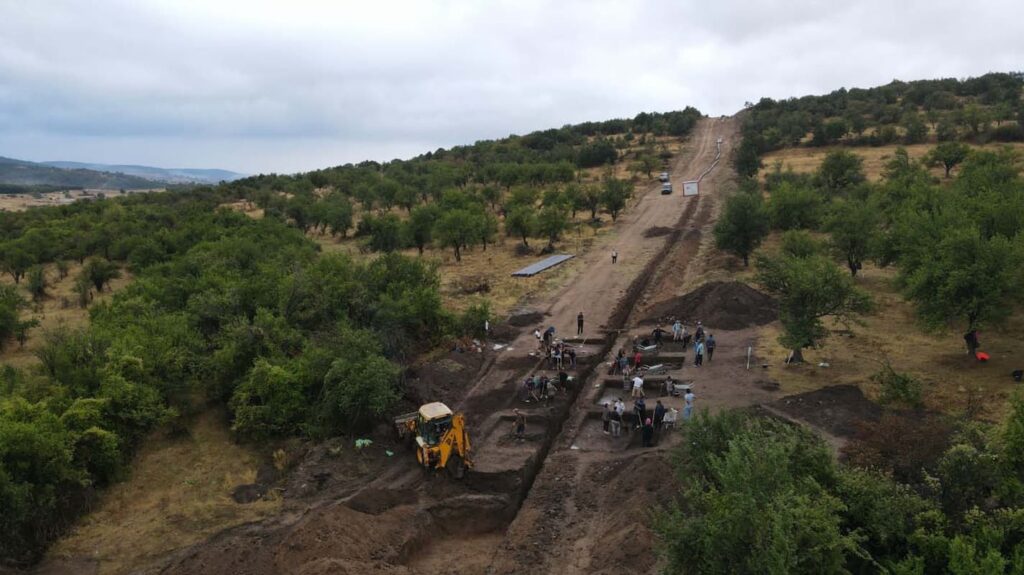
{"x": 536, "y": 268}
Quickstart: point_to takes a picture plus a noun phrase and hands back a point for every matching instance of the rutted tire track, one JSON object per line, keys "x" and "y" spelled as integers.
{"x": 540, "y": 523}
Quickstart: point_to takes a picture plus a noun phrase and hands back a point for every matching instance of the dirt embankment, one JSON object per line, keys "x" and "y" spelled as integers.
{"x": 719, "y": 305}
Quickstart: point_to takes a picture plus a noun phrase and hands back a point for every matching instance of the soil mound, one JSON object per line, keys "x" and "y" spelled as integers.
{"x": 657, "y": 232}
{"x": 525, "y": 318}
{"x": 720, "y": 305}
{"x": 446, "y": 378}
{"x": 839, "y": 409}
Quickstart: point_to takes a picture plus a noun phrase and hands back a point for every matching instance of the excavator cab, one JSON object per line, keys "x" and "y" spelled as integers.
{"x": 433, "y": 421}
{"x": 440, "y": 437}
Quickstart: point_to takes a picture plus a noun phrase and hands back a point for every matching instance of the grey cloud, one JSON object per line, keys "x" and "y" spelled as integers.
{"x": 270, "y": 86}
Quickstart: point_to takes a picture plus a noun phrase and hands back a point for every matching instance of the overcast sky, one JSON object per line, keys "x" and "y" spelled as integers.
{"x": 260, "y": 86}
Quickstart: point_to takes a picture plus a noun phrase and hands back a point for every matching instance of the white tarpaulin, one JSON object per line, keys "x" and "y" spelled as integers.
{"x": 690, "y": 188}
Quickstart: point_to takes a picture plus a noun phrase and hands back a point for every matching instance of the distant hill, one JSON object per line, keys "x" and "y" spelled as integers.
{"x": 21, "y": 173}
{"x": 102, "y": 176}
{"x": 172, "y": 175}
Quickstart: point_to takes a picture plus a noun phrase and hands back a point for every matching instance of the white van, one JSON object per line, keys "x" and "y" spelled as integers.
{"x": 666, "y": 188}
{"x": 663, "y": 176}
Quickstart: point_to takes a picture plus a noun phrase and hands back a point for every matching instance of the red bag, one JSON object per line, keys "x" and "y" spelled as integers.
{"x": 982, "y": 356}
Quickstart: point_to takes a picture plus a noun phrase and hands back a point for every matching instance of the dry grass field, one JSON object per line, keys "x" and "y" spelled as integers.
{"x": 21, "y": 202}
{"x": 806, "y": 160}
{"x": 60, "y": 307}
{"x": 178, "y": 494}
{"x": 951, "y": 381}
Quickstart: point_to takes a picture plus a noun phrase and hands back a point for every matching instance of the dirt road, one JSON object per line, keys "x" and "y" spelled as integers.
{"x": 567, "y": 499}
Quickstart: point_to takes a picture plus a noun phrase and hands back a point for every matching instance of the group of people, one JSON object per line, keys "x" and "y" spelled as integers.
{"x": 539, "y": 387}
{"x": 703, "y": 343}
{"x": 559, "y": 354}
{"x": 614, "y": 413}
{"x": 626, "y": 364}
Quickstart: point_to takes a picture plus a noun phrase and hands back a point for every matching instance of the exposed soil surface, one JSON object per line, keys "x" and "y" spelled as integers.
{"x": 841, "y": 410}
{"x": 657, "y": 232}
{"x": 719, "y": 305}
{"x": 444, "y": 379}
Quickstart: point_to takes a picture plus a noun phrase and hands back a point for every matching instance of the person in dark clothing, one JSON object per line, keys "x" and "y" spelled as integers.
{"x": 606, "y": 418}
{"x": 657, "y": 333}
{"x": 659, "y": 414}
{"x": 615, "y": 420}
{"x": 971, "y": 338}
{"x": 699, "y": 334}
{"x": 579, "y": 324}
{"x": 647, "y": 433}
{"x": 709, "y": 346}
{"x": 639, "y": 411}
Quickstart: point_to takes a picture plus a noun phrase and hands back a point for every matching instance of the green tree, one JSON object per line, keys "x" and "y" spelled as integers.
{"x": 357, "y": 390}
{"x": 948, "y": 155}
{"x": 83, "y": 290}
{"x": 853, "y": 228}
{"x": 800, "y": 244}
{"x": 747, "y": 159}
{"x": 591, "y": 199}
{"x": 270, "y": 402}
{"x": 15, "y": 260}
{"x": 421, "y": 225}
{"x": 551, "y": 222}
{"x": 338, "y": 214}
{"x": 962, "y": 274}
{"x": 809, "y": 290}
{"x": 457, "y": 229}
{"x": 615, "y": 195}
{"x": 385, "y": 232}
{"x": 521, "y": 221}
{"x": 840, "y": 170}
{"x": 99, "y": 272}
{"x": 11, "y": 304}
{"x": 794, "y": 206}
{"x": 37, "y": 282}
{"x": 915, "y": 129}
{"x": 743, "y": 225}
{"x": 62, "y": 268}
{"x": 487, "y": 228}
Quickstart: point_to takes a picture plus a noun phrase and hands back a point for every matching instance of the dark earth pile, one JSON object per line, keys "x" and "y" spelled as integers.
{"x": 840, "y": 409}
{"x": 525, "y": 318}
{"x": 657, "y": 232}
{"x": 719, "y": 305}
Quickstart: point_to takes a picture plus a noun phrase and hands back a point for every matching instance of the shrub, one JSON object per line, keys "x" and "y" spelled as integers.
{"x": 897, "y": 387}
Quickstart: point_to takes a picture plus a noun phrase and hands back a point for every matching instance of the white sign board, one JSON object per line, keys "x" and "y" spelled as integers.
{"x": 690, "y": 188}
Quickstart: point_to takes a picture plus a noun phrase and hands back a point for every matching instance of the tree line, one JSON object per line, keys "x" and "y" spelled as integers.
{"x": 765, "y": 496}
{"x": 983, "y": 109}
{"x": 957, "y": 244}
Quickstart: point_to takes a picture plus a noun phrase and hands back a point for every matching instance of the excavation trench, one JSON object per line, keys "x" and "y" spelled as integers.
{"x": 503, "y": 486}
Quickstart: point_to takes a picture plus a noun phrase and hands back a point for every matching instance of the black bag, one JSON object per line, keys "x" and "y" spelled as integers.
{"x": 1017, "y": 375}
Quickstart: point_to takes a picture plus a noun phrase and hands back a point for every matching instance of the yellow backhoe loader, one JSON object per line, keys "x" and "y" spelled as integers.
{"x": 440, "y": 436}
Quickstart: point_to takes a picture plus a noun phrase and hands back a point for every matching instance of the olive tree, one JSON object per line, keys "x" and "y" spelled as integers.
{"x": 809, "y": 290}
